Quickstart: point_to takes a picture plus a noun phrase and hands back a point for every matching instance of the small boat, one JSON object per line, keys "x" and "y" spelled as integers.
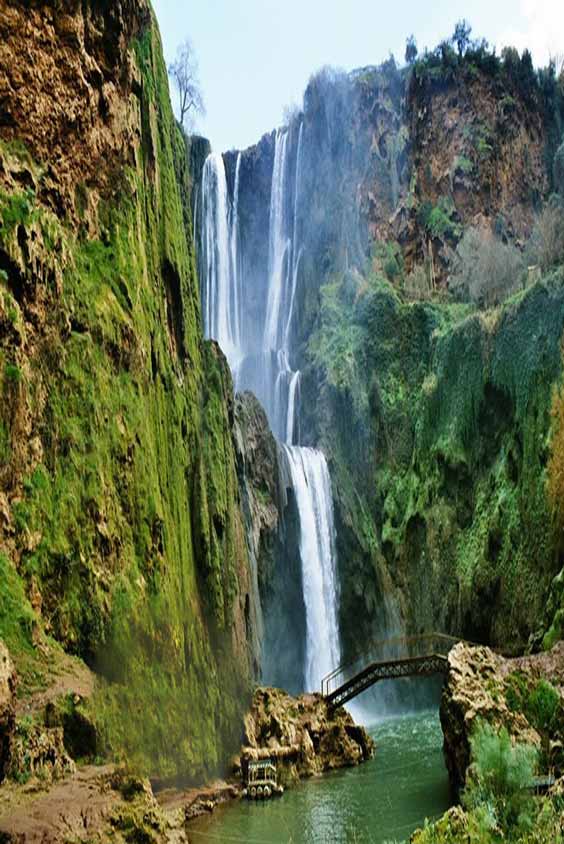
{"x": 262, "y": 780}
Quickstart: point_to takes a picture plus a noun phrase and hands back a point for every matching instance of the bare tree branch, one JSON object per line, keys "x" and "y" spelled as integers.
{"x": 184, "y": 73}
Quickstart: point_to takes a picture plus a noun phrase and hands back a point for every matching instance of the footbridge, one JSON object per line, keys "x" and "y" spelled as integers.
{"x": 390, "y": 659}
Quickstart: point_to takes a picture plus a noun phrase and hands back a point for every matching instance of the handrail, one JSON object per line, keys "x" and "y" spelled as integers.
{"x": 369, "y": 654}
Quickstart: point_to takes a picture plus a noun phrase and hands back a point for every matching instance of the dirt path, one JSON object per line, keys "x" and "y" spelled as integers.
{"x": 66, "y": 675}
{"x": 74, "y": 809}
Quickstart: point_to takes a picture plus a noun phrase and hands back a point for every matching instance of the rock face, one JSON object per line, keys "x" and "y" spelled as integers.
{"x": 302, "y": 734}
{"x": 272, "y": 529}
{"x": 121, "y": 527}
{"x": 524, "y": 695}
{"x": 7, "y": 708}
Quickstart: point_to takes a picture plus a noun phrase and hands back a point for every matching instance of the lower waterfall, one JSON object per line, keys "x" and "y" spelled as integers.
{"x": 312, "y": 486}
{"x": 260, "y": 358}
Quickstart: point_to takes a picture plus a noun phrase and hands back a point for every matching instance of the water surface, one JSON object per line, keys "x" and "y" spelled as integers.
{"x": 384, "y": 800}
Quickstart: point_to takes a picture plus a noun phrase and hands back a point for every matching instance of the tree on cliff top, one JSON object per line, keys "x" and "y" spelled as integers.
{"x": 184, "y": 73}
{"x": 461, "y": 36}
{"x": 410, "y": 50}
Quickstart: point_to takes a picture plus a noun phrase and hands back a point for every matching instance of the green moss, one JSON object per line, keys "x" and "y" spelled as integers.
{"x": 16, "y": 209}
{"x": 438, "y": 461}
{"x": 12, "y": 373}
{"x": 16, "y": 616}
{"x": 137, "y": 546}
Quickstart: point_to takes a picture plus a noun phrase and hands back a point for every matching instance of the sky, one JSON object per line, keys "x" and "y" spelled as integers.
{"x": 256, "y": 56}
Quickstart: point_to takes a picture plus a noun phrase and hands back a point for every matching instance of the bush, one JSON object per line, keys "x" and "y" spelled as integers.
{"x": 546, "y": 247}
{"x": 559, "y": 170}
{"x": 417, "y": 284}
{"x": 485, "y": 270}
{"x": 439, "y": 220}
{"x": 499, "y": 778}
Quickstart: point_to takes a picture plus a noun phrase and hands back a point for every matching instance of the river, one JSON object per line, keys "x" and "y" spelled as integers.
{"x": 380, "y": 802}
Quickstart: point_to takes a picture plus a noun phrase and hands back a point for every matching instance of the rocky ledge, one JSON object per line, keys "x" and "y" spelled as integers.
{"x": 524, "y": 695}
{"x": 303, "y": 734}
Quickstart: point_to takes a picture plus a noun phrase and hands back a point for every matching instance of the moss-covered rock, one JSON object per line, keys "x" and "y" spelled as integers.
{"x": 436, "y": 421}
{"x": 121, "y": 531}
{"x": 304, "y": 735}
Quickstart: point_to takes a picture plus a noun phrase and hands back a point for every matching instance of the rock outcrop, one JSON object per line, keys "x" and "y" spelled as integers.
{"x": 302, "y": 734}
{"x": 122, "y": 535}
{"x": 525, "y": 695}
{"x": 7, "y": 707}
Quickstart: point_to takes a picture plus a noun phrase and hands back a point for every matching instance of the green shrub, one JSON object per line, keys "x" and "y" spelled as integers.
{"x": 5, "y": 443}
{"x": 463, "y": 165}
{"x": 559, "y": 169}
{"x": 543, "y": 706}
{"x": 439, "y": 220}
{"x": 499, "y": 778}
{"x": 12, "y": 373}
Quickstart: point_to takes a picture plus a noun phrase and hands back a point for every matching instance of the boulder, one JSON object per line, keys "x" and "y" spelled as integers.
{"x": 7, "y": 707}
{"x": 303, "y": 735}
{"x": 482, "y": 685}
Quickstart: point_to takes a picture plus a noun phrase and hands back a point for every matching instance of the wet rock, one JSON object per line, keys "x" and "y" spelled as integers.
{"x": 302, "y": 734}
{"x": 8, "y": 682}
{"x": 482, "y": 685}
{"x": 39, "y": 752}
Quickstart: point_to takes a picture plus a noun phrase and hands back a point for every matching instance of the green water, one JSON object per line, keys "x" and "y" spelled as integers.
{"x": 384, "y": 800}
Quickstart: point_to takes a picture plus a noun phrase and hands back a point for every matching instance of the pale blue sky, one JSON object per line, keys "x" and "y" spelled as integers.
{"x": 256, "y": 56}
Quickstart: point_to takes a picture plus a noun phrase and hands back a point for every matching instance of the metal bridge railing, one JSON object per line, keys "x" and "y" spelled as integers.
{"x": 387, "y": 650}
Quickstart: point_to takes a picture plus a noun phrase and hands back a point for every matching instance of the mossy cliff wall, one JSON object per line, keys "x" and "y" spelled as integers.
{"x": 435, "y": 418}
{"x": 437, "y": 423}
{"x": 121, "y": 531}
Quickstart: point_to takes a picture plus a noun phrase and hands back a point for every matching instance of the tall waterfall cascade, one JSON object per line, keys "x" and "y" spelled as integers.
{"x": 261, "y": 362}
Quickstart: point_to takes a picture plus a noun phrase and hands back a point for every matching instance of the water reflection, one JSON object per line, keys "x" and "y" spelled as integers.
{"x": 384, "y": 800}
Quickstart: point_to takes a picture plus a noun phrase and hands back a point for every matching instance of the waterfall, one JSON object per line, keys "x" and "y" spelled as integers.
{"x": 219, "y": 287}
{"x": 279, "y": 243}
{"x": 267, "y": 370}
{"x": 312, "y": 486}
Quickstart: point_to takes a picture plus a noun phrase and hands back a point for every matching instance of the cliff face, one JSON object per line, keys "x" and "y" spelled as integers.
{"x": 435, "y": 418}
{"x": 121, "y": 531}
{"x": 445, "y": 519}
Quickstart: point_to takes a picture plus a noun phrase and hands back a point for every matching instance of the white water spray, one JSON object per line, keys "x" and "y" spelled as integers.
{"x": 312, "y": 485}
{"x": 267, "y": 371}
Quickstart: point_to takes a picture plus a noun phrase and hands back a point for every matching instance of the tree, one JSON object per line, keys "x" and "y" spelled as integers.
{"x": 559, "y": 170}
{"x": 485, "y": 270}
{"x": 546, "y": 247}
{"x": 410, "y": 50}
{"x": 461, "y": 36}
{"x": 184, "y": 72}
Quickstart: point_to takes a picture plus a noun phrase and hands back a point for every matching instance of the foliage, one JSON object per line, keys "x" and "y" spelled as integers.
{"x": 410, "y": 50}
{"x": 540, "y": 703}
{"x": 462, "y": 164}
{"x": 485, "y": 270}
{"x": 388, "y": 260}
{"x": 547, "y": 241}
{"x": 461, "y": 37}
{"x": 184, "y": 72}
{"x": 559, "y": 169}
{"x": 440, "y": 220}
{"x": 499, "y": 777}
{"x": 16, "y": 615}
{"x": 417, "y": 284}
{"x": 12, "y": 373}
{"x": 555, "y": 469}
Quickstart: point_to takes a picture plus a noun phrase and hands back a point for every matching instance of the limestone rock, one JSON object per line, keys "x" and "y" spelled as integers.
{"x": 39, "y": 752}
{"x": 477, "y": 688}
{"x": 7, "y": 707}
{"x": 302, "y": 734}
